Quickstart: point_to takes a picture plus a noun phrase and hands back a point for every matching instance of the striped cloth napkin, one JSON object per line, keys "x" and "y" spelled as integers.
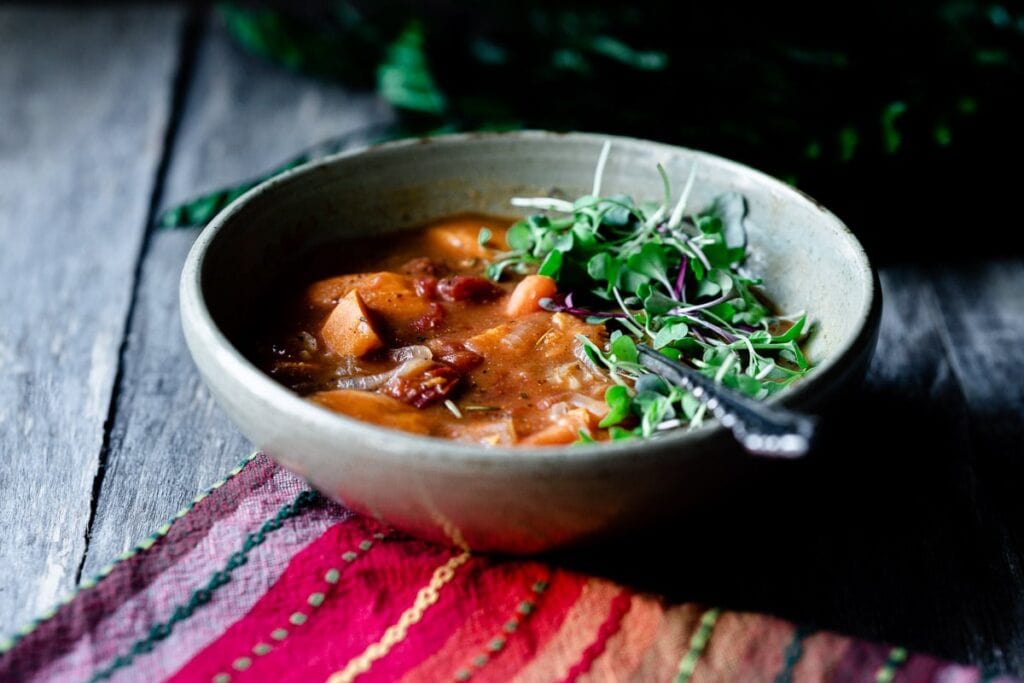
{"x": 262, "y": 579}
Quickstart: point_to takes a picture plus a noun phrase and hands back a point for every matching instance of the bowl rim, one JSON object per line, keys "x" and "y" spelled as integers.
{"x": 197, "y": 320}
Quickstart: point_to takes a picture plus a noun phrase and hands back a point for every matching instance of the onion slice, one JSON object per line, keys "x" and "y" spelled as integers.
{"x": 580, "y": 352}
{"x": 410, "y": 352}
{"x": 410, "y": 357}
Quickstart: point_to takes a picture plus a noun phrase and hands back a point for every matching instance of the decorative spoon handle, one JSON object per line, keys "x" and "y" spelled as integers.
{"x": 761, "y": 429}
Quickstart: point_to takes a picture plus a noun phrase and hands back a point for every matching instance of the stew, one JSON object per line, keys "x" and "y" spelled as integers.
{"x": 420, "y": 340}
{"x": 526, "y": 334}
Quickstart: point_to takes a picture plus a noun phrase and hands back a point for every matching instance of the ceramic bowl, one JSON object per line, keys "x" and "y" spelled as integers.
{"x": 497, "y": 499}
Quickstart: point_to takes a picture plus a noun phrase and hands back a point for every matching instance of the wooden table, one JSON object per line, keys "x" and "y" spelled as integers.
{"x": 109, "y": 115}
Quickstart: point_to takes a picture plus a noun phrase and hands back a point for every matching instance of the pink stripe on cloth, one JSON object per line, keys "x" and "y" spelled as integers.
{"x": 370, "y": 592}
{"x": 745, "y": 646}
{"x": 617, "y": 610}
{"x": 76, "y": 620}
{"x": 624, "y": 651}
{"x": 922, "y": 668}
{"x": 317, "y": 588}
{"x": 129, "y": 621}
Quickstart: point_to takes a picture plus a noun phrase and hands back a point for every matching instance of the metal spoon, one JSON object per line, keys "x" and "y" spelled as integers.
{"x": 761, "y": 429}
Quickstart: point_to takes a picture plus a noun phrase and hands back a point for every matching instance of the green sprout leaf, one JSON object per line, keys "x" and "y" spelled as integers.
{"x": 619, "y": 404}
{"x": 624, "y": 349}
{"x": 617, "y": 262}
{"x": 484, "y": 237}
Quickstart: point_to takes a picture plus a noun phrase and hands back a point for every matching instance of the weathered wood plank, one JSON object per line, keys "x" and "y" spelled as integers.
{"x": 981, "y": 312}
{"x": 168, "y": 439}
{"x": 84, "y": 99}
{"x": 920, "y": 557}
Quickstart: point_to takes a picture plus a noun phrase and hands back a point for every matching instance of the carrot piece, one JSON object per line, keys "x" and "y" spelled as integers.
{"x": 555, "y": 435}
{"x": 459, "y": 238}
{"x": 348, "y": 330}
{"x": 528, "y": 293}
{"x": 374, "y": 408}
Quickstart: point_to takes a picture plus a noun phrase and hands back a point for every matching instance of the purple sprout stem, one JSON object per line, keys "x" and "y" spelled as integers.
{"x": 729, "y": 339}
{"x": 696, "y": 250}
{"x": 681, "y": 278}
{"x": 567, "y": 307}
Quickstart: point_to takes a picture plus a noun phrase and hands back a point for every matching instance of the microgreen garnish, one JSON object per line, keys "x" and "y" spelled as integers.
{"x": 485, "y": 236}
{"x": 657, "y": 275}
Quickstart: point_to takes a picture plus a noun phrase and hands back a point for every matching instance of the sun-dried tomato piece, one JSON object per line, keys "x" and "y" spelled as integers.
{"x": 426, "y": 383}
{"x": 468, "y": 288}
{"x": 421, "y": 266}
{"x": 426, "y": 286}
{"x": 462, "y": 361}
{"x": 431, "y": 320}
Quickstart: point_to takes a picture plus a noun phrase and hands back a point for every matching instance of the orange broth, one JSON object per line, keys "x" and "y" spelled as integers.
{"x": 501, "y": 371}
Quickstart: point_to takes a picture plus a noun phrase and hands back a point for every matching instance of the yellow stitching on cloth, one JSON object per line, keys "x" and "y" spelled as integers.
{"x": 397, "y": 632}
{"x": 897, "y": 657}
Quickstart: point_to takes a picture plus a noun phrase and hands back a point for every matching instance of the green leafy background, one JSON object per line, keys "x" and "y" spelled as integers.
{"x": 905, "y": 118}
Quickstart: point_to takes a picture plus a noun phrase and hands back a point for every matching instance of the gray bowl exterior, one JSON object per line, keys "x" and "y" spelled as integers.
{"x": 511, "y": 500}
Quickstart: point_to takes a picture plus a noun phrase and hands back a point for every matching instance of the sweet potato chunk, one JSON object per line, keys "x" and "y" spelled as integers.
{"x": 512, "y": 338}
{"x": 390, "y": 296}
{"x": 375, "y": 408}
{"x": 526, "y": 296}
{"x": 496, "y": 432}
{"x": 553, "y": 335}
{"x": 565, "y": 430}
{"x": 348, "y": 330}
{"x": 327, "y": 292}
{"x": 459, "y": 239}
{"x": 564, "y": 329}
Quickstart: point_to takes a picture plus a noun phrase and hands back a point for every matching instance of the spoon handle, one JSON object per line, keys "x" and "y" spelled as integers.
{"x": 761, "y": 429}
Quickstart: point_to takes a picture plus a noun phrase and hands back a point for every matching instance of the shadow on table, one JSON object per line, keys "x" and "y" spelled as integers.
{"x": 889, "y": 531}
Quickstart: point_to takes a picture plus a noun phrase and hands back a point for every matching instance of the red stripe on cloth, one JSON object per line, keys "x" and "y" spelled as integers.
{"x": 467, "y": 618}
{"x": 536, "y": 633}
{"x": 370, "y": 592}
{"x": 578, "y": 628}
{"x": 489, "y": 614}
{"x": 620, "y": 605}
{"x": 626, "y": 650}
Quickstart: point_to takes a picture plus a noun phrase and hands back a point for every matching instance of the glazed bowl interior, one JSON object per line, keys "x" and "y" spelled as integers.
{"x": 808, "y": 259}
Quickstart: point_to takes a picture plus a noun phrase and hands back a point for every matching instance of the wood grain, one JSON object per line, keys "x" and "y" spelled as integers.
{"x": 168, "y": 438}
{"x": 83, "y": 103}
{"x": 981, "y": 312}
